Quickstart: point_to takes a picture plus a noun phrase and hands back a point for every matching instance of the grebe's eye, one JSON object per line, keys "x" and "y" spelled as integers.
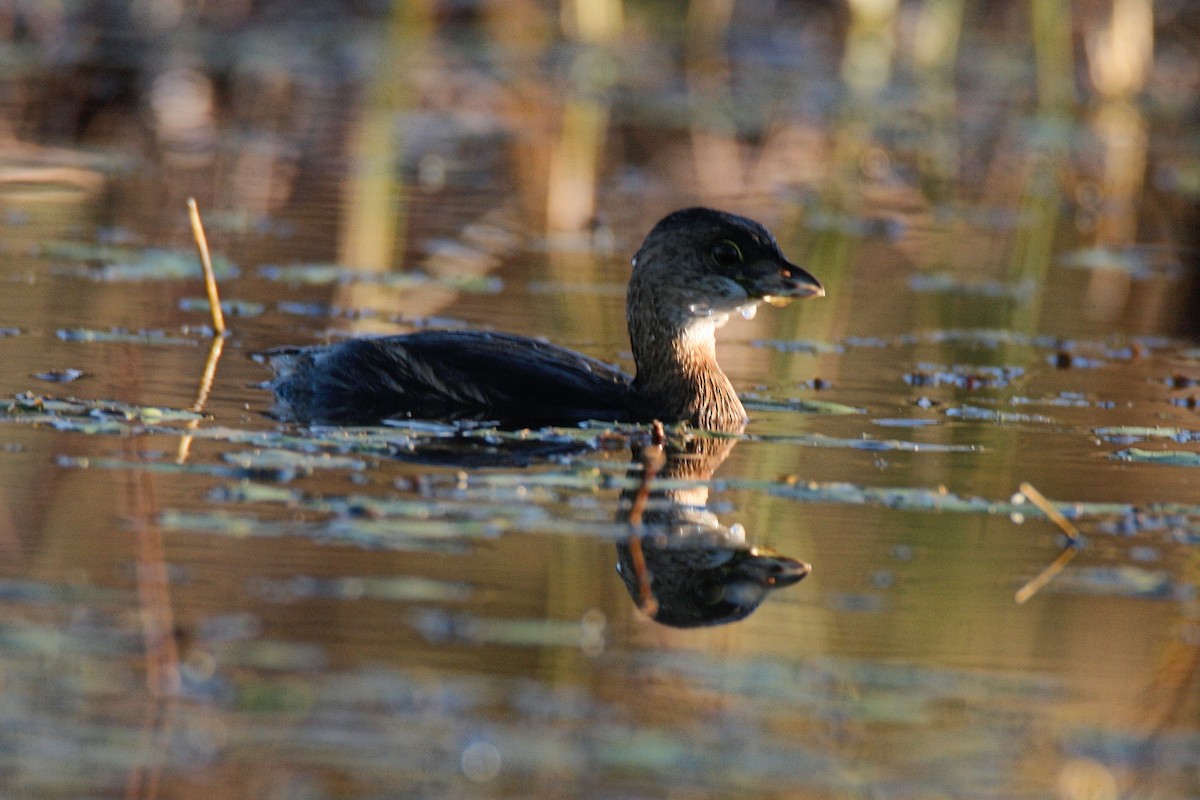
{"x": 726, "y": 254}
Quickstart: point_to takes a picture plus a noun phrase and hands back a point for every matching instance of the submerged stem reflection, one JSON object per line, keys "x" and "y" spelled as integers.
{"x": 681, "y": 565}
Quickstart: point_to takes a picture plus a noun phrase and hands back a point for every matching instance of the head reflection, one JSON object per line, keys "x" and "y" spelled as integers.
{"x": 682, "y": 567}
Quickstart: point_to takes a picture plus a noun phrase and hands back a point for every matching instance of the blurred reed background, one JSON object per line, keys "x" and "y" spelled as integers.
{"x": 346, "y": 120}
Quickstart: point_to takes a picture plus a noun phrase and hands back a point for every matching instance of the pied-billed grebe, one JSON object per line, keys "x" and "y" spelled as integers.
{"x": 696, "y": 267}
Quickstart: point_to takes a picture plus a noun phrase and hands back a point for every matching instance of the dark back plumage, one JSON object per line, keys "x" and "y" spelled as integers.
{"x": 438, "y": 374}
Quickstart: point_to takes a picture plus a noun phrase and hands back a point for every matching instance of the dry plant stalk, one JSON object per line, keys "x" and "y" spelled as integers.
{"x": 1048, "y": 508}
{"x": 210, "y": 279}
{"x": 1059, "y": 564}
{"x": 218, "y": 320}
{"x": 652, "y": 462}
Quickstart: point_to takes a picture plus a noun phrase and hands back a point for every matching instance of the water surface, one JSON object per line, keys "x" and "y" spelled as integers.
{"x": 217, "y": 603}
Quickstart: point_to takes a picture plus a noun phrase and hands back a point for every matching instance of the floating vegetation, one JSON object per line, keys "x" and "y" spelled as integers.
{"x": 29, "y": 407}
{"x": 113, "y": 417}
{"x": 408, "y": 589}
{"x": 949, "y": 283}
{"x": 872, "y": 227}
{"x": 591, "y": 289}
{"x": 756, "y": 402}
{"x": 92, "y": 637}
{"x": 803, "y": 683}
{"x": 452, "y": 256}
{"x": 324, "y": 274}
{"x": 390, "y": 534}
{"x": 234, "y": 308}
{"x": 1173, "y": 458}
{"x": 442, "y": 626}
{"x": 1180, "y": 381}
{"x": 799, "y": 346}
{"x": 864, "y": 443}
{"x": 252, "y": 492}
{"x": 292, "y": 462}
{"x": 977, "y": 414}
{"x": 907, "y": 499}
{"x": 1177, "y": 526}
{"x": 381, "y": 441}
{"x": 173, "y": 467}
{"x": 59, "y": 375}
{"x": 497, "y": 515}
{"x": 586, "y": 479}
{"x": 1125, "y": 434}
{"x": 276, "y": 655}
{"x": 1086, "y": 352}
{"x": 240, "y": 221}
{"x": 1138, "y": 263}
{"x": 859, "y": 603}
{"x": 1065, "y": 359}
{"x": 121, "y": 335}
{"x": 15, "y": 590}
{"x": 970, "y": 378}
{"x": 917, "y": 499}
{"x": 1122, "y": 580}
{"x": 326, "y": 310}
{"x": 905, "y": 422}
{"x": 105, "y": 262}
{"x": 989, "y": 338}
{"x": 1063, "y": 400}
{"x": 308, "y": 309}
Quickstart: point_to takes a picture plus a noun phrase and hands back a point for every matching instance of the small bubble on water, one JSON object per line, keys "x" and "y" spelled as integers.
{"x": 480, "y": 761}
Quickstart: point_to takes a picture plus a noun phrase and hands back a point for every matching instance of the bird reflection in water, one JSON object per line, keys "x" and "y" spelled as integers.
{"x": 682, "y": 567}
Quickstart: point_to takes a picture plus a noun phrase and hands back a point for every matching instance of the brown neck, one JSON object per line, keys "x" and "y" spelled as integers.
{"x": 678, "y": 377}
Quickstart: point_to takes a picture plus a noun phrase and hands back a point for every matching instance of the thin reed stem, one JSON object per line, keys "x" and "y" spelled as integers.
{"x": 210, "y": 278}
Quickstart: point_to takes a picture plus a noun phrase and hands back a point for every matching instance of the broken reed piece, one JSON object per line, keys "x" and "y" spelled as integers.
{"x": 1051, "y": 512}
{"x": 1069, "y": 551}
{"x": 210, "y": 279}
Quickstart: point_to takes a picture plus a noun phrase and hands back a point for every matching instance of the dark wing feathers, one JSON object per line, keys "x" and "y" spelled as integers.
{"x": 440, "y": 374}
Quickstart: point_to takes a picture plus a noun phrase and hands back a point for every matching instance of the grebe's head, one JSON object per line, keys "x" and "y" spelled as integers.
{"x": 704, "y": 263}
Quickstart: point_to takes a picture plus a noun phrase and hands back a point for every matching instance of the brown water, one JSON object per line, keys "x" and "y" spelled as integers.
{"x": 232, "y": 608}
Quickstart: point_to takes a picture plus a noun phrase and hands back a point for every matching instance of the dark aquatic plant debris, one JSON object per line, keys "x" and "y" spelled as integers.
{"x": 416, "y": 534}
{"x": 1126, "y": 434}
{"x": 948, "y": 283}
{"x": 111, "y": 263}
{"x": 121, "y": 335}
{"x": 1174, "y": 458}
{"x": 757, "y": 402}
{"x": 977, "y": 414}
{"x": 969, "y": 377}
{"x": 323, "y": 274}
{"x": 59, "y": 375}
{"x": 406, "y": 589}
{"x": 32, "y": 407}
{"x": 867, "y": 443}
{"x": 1064, "y": 359}
{"x": 234, "y": 308}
